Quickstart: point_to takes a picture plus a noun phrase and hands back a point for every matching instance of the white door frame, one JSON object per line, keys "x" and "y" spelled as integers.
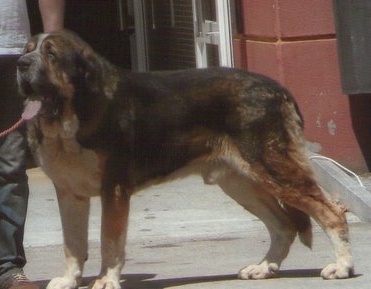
{"x": 138, "y": 40}
{"x": 225, "y": 32}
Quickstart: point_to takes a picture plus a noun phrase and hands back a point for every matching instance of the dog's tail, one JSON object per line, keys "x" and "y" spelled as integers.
{"x": 302, "y": 223}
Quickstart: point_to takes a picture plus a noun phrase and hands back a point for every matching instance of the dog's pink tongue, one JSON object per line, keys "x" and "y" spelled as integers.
{"x": 32, "y": 108}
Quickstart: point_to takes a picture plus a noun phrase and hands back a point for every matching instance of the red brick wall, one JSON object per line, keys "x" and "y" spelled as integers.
{"x": 294, "y": 42}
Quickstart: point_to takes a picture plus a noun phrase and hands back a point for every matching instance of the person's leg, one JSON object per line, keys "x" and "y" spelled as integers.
{"x": 13, "y": 201}
{"x": 13, "y": 181}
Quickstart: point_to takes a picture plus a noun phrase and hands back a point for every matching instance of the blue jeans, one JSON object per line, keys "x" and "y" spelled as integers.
{"x": 13, "y": 179}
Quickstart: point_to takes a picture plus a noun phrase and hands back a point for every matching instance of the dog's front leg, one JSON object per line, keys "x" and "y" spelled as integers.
{"x": 74, "y": 212}
{"x": 115, "y": 212}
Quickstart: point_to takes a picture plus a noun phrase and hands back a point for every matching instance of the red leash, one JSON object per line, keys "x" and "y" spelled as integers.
{"x": 31, "y": 109}
{"x": 12, "y": 128}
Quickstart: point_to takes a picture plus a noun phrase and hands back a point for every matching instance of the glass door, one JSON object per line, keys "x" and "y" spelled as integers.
{"x": 213, "y": 32}
{"x": 176, "y": 34}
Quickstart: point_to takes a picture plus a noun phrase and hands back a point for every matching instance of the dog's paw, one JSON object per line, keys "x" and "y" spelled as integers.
{"x": 105, "y": 283}
{"x": 261, "y": 271}
{"x": 62, "y": 283}
{"x": 337, "y": 271}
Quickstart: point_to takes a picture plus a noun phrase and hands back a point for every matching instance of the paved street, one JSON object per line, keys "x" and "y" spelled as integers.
{"x": 186, "y": 235}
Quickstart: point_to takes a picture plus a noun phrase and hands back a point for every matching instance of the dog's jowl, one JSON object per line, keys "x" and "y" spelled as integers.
{"x": 99, "y": 130}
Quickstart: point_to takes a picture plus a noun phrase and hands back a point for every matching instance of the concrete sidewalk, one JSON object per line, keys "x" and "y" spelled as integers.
{"x": 186, "y": 235}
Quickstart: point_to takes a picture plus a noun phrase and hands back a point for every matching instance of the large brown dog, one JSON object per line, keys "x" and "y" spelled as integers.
{"x": 102, "y": 131}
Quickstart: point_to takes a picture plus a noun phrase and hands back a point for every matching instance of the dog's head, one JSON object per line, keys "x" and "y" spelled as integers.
{"x": 58, "y": 67}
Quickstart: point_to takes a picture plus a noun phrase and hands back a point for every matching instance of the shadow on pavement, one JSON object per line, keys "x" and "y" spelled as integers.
{"x": 143, "y": 281}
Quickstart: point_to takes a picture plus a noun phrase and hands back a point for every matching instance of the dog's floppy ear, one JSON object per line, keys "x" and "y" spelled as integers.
{"x": 96, "y": 73}
{"x": 89, "y": 70}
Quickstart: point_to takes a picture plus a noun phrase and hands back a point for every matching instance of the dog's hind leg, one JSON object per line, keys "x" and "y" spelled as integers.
{"x": 292, "y": 182}
{"x": 332, "y": 220}
{"x": 74, "y": 212}
{"x": 266, "y": 207}
{"x": 115, "y": 213}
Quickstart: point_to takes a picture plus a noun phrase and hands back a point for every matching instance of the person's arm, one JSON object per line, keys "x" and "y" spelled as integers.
{"x": 52, "y": 14}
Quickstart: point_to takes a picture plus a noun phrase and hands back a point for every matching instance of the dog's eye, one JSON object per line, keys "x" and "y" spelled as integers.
{"x": 51, "y": 55}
